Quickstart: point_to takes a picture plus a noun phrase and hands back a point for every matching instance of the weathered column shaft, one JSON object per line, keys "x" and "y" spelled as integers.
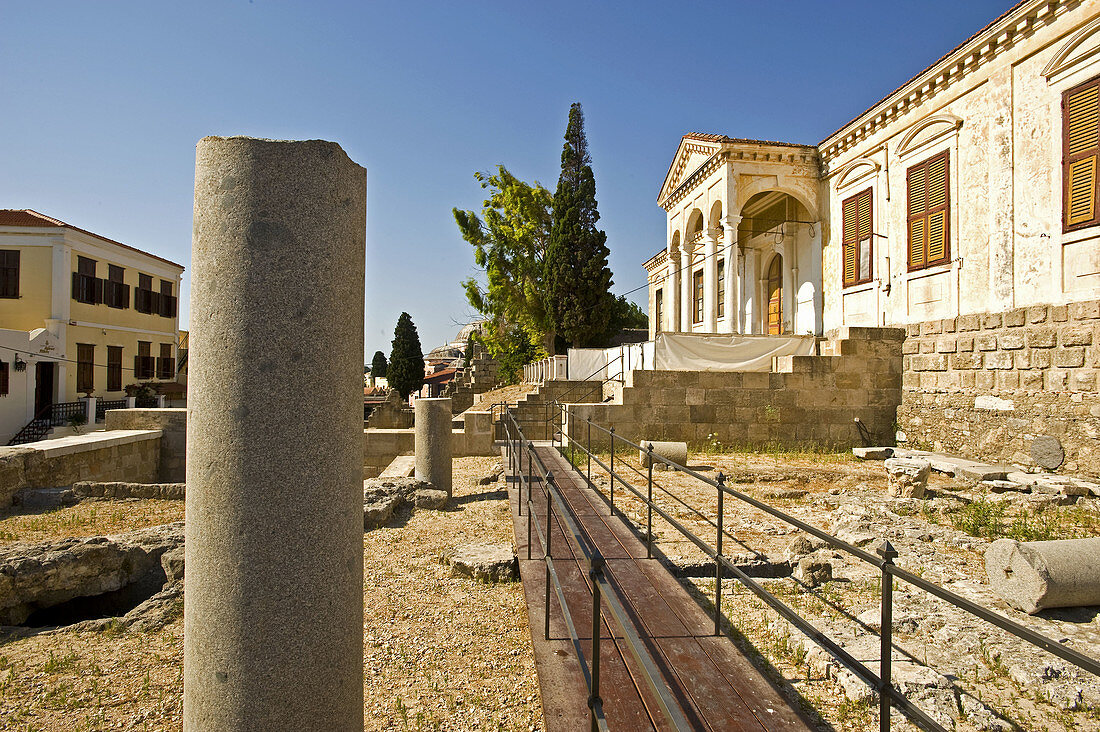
{"x": 433, "y": 442}
{"x": 273, "y": 635}
{"x": 1035, "y": 575}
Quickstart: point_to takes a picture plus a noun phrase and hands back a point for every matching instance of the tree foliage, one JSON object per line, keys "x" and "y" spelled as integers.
{"x": 579, "y": 302}
{"x": 405, "y": 372}
{"x": 378, "y": 365}
{"x": 625, "y": 314}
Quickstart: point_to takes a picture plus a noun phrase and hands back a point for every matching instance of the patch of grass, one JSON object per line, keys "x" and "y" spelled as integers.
{"x": 58, "y": 664}
{"x": 989, "y": 520}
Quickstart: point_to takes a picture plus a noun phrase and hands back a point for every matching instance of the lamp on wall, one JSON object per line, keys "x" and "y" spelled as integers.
{"x": 19, "y": 364}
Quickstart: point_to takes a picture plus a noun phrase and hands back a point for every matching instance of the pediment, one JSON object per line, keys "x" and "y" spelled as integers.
{"x": 689, "y": 156}
{"x": 1083, "y": 46}
{"x": 927, "y": 130}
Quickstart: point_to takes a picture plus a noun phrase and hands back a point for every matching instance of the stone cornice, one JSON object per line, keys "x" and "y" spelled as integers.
{"x": 1000, "y": 36}
{"x": 656, "y": 261}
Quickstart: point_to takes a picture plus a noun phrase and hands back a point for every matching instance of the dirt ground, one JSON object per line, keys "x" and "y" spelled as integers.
{"x": 440, "y": 652}
{"x": 942, "y": 539}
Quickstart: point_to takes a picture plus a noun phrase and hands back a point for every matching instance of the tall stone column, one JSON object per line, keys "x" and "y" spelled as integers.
{"x": 710, "y": 277}
{"x": 432, "y": 445}
{"x": 273, "y": 613}
{"x": 672, "y": 294}
{"x": 687, "y": 307}
{"x": 733, "y": 277}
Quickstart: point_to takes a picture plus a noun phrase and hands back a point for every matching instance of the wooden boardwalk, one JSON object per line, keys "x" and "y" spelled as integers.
{"x": 715, "y": 684}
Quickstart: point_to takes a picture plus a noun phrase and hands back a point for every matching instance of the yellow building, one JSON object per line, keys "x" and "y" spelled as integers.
{"x": 80, "y": 314}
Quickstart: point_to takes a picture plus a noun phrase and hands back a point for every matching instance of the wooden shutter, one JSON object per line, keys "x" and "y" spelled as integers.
{"x": 1081, "y": 150}
{"x": 929, "y": 212}
{"x": 856, "y": 225}
{"x": 850, "y": 243}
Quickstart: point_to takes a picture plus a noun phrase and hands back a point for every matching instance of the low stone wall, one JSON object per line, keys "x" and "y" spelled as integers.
{"x": 381, "y": 446}
{"x": 987, "y": 386}
{"x": 172, "y": 423}
{"x": 130, "y": 456}
{"x": 161, "y": 491}
{"x": 809, "y": 402}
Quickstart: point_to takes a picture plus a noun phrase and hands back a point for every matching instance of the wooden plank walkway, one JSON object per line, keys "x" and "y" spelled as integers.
{"x": 717, "y": 687}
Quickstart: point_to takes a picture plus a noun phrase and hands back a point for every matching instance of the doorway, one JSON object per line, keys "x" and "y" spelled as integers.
{"x": 775, "y": 296}
{"x": 43, "y": 385}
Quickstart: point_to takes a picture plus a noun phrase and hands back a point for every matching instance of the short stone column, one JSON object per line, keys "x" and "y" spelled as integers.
{"x": 89, "y": 411}
{"x": 162, "y": 401}
{"x": 273, "y": 613}
{"x": 1035, "y": 575}
{"x": 433, "y": 442}
{"x": 131, "y": 402}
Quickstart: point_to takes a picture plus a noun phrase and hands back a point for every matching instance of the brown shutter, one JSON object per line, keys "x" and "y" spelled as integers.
{"x": 929, "y": 205}
{"x": 850, "y": 243}
{"x": 865, "y": 248}
{"x": 1081, "y": 145}
{"x": 3, "y": 378}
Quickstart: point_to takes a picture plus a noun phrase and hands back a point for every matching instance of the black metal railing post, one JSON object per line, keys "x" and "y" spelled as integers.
{"x": 718, "y": 555}
{"x": 549, "y": 541}
{"x": 595, "y": 574}
{"x": 649, "y": 504}
{"x": 589, "y": 451}
{"x": 611, "y": 470}
{"x": 530, "y": 505}
{"x": 886, "y": 618}
{"x": 519, "y": 474}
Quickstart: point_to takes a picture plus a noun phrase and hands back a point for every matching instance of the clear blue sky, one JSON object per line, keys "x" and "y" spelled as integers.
{"x": 103, "y": 103}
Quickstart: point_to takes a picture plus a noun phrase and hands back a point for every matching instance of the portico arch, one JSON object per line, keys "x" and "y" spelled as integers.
{"x": 780, "y": 241}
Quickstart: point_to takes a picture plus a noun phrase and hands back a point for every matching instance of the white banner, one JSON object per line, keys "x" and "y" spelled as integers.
{"x": 686, "y": 352}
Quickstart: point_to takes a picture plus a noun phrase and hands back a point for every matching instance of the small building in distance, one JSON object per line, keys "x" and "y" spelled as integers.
{"x": 79, "y": 314}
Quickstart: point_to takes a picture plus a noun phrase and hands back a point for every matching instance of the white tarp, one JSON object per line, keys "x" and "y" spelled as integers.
{"x": 587, "y": 363}
{"x": 686, "y": 352}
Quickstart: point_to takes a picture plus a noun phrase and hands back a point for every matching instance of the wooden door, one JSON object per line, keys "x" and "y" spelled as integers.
{"x": 43, "y": 385}
{"x": 775, "y": 296}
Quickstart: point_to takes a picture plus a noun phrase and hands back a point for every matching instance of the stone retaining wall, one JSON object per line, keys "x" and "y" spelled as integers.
{"x": 381, "y": 446}
{"x": 130, "y": 456}
{"x": 988, "y": 385}
{"x": 173, "y": 444}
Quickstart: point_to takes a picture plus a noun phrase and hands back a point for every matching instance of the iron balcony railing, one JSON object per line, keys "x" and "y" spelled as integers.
{"x": 101, "y": 407}
{"x": 880, "y": 682}
{"x": 525, "y": 463}
{"x": 53, "y": 415}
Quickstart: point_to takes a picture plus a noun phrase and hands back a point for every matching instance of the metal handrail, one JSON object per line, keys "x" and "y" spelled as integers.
{"x": 604, "y": 587}
{"x": 881, "y": 682}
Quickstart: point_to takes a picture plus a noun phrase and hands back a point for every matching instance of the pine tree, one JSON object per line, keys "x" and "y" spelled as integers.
{"x": 578, "y": 280}
{"x": 405, "y": 371}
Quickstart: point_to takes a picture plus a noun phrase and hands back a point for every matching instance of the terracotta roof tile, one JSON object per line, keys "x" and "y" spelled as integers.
{"x": 27, "y": 217}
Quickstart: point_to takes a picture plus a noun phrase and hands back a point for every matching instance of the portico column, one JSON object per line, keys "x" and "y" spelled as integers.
{"x": 732, "y": 284}
{"x": 672, "y": 295}
{"x": 686, "y": 314}
{"x": 710, "y": 289}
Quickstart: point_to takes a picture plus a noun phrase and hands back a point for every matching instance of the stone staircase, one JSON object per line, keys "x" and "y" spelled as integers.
{"x": 845, "y": 395}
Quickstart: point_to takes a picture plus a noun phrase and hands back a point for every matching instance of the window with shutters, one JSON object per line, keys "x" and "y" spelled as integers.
{"x": 116, "y": 293}
{"x": 1081, "y": 156}
{"x": 146, "y": 300}
{"x": 721, "y": 284}
{"x": 144, "y": 362}
{"x": 86, "y": 287}
{"x": 697, "y": 288}
{"x": 85, "y": 363}
{"x": 166, "y": 365}
{"x": 114, "y": 368}
{"x": 9, "y": 273}
{"x": 857, "y": 243}
{"x": 3, "y": 378}
{"x": 929, "y": 207}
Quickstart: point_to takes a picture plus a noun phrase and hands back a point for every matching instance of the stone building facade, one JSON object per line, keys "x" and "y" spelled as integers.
{"x": 963, "y": 207}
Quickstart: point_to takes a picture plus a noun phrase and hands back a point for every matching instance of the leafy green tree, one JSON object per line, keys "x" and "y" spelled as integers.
{"x": 625, "y": 314}
{"x": 405, "y": 371}
{"x": 469, "y": 355}
{"x": 509, "y": 240}
{"x": 513, "y": 350}
{"x": 378, "y": 365}
{"x": 578, "y": 281}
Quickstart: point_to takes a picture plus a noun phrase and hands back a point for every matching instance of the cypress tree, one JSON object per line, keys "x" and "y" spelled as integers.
{"x": 405, "y": 372}
{"x": 578, "y": 280}
{"x": 378, "y": 365}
